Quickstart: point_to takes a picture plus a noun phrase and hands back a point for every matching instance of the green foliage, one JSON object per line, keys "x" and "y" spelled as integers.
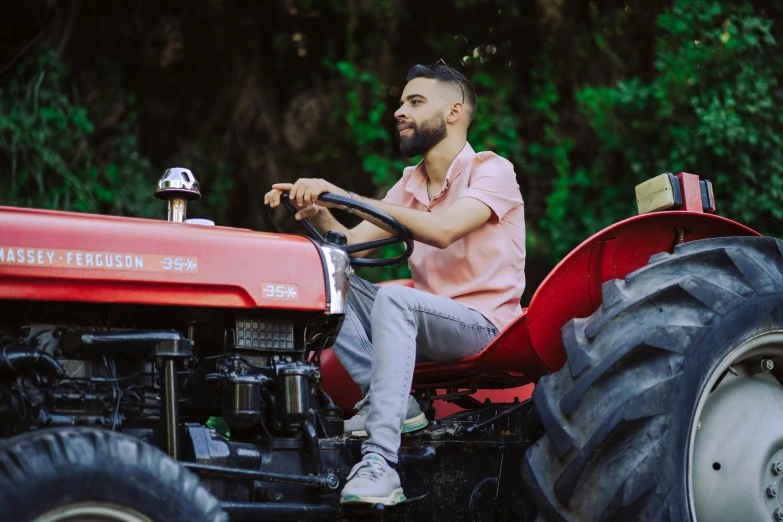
{"x": 51, "y": 142}
{"x": 552, "y": 150}
{"x": 496, "y": 125}
{"x": 366, "y": 113}
{"x": 709, "y": 108}
{"x": 587, "y": 98}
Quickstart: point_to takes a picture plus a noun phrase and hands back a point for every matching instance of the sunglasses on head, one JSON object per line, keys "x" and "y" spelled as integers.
{"x": 442, "y": 63}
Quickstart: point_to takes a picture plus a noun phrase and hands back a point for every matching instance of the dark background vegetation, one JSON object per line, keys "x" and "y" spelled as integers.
{"x": 586, "y": 98}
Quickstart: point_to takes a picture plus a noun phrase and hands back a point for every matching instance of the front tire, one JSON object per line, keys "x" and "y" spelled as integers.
{"x": 670, "y": 407}
{"x": 77, "y": 474}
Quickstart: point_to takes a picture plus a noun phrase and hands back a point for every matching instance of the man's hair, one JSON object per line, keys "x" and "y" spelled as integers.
{"x": 442, "y": 73}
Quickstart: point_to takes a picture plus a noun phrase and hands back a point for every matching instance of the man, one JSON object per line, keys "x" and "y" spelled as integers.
{"x": 465, "y": 212}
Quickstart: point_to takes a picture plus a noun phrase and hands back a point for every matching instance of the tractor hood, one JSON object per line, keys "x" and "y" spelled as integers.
{"x": 64, "y": 256}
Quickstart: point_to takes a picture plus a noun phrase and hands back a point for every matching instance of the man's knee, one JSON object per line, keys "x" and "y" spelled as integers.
{"x": 390, "y": 298}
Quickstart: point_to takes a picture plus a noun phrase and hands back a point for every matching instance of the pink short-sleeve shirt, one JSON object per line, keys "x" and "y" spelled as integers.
{"x": 484, "y": 270}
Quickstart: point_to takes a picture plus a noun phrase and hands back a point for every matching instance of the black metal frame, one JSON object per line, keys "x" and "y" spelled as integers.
{"x": 446, "y": 471}
{"x": 296, "y": 470}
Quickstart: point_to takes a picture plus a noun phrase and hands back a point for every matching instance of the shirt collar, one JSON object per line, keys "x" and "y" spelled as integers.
{"x": 417, "y": 184}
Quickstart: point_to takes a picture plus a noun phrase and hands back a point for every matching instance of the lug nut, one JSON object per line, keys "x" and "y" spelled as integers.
{"x": 777, "y": 468}
{"x": 772, "y": 491}
{"x": 767, "y": 365}
{"x": 778, "y": 514}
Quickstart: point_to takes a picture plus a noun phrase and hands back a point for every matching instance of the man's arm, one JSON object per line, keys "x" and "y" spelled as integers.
{"x": 323, "y": 221}
{"x": 438, "y": 230}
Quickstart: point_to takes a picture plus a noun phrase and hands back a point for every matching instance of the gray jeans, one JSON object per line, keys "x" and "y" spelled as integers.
{"x": 386, "y": 330}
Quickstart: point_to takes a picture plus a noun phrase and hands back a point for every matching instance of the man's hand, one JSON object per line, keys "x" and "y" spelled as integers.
{"x": 272, "y": 198}
{"x": 305, "y": 191}
{"x": 303, "y": 195}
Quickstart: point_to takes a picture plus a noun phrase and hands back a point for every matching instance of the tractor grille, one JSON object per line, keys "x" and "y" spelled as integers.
{"x": 263, "y": 334}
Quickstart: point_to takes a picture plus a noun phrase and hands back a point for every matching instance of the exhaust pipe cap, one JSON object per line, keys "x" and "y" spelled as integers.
{"x": 178, "y": 182}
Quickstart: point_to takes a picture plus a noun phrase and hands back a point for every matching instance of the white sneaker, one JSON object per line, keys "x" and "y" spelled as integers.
{"x": 372, "y": 481}
{"x": 414, "y": 418}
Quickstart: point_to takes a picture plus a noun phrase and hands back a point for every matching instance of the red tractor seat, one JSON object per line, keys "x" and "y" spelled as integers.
{"x": 500, "y": 365}
{"x": 507, "y": 362}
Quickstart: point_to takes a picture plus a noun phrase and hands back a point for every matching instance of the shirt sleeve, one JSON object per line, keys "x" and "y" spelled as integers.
{"x": 494, "y": 183}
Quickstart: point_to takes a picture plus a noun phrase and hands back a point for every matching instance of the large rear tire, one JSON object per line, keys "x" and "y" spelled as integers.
{"x": 670, "y": 406}
{"x": 78, "y": 474}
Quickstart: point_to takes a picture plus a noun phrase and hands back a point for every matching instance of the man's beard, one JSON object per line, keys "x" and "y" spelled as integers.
{"x": 421, "y": 140}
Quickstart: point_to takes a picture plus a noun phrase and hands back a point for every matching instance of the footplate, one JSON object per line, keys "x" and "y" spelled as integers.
{"x": 375, "y": 512}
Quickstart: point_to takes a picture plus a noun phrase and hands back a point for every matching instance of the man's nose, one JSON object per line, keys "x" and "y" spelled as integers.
{"x": 400, "y": 113}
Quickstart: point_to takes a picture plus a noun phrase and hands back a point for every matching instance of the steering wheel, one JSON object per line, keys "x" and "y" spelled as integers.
{"x": 401, "y": 234}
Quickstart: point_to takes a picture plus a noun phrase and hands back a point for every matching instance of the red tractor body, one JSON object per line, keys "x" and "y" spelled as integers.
{"x": 65, "y": 256}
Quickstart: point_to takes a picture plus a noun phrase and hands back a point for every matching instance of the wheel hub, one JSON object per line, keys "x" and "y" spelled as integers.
{"x": 736, "y": 465}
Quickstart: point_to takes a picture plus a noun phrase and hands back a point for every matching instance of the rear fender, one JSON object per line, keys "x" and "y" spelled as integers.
{"x": 573, "y": 288}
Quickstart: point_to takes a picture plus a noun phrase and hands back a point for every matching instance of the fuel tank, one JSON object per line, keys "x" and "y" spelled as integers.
{"x": 65, "y": 256}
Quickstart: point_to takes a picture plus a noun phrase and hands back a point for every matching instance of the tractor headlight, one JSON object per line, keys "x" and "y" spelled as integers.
{"x": 338, "y": 272}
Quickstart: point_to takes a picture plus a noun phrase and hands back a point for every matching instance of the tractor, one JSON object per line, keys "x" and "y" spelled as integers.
{"x": 173, "y": 371}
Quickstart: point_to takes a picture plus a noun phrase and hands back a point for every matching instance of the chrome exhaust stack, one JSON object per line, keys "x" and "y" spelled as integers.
{"x": 178, "y": 186}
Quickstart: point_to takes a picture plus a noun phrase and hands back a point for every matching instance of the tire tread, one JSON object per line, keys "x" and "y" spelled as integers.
{"x": 611, "y": 406}
{"x": 41, "y": 456}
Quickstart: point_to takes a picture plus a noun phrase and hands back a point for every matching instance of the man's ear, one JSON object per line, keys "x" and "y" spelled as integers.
{"x": 456, "y": 112}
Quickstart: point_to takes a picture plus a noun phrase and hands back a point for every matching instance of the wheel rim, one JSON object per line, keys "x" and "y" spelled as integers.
{"x": 93, "y": 512}
{"x": 735, "y": 456}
